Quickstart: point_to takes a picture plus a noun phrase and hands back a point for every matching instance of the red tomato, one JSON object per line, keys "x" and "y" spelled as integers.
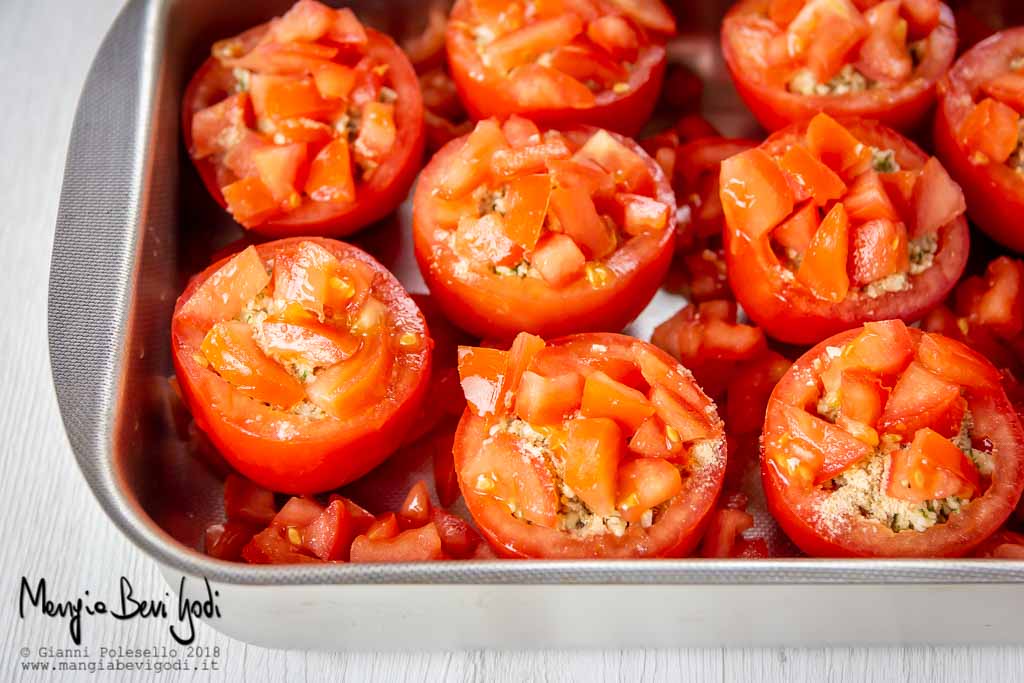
{"x": 554, "y": 254}
{"x": 353, "y": 412}
{"x": 775, "y": 57}
{"x": 968, "y": 139}
{"x": 807, "y": 302}
{"x": 415, "y": 545}
{"x": 890, "y": 501}
{"x": 606, "y": 66}
{"x": 516, "y": 489}
{"x": 253, "y": 149}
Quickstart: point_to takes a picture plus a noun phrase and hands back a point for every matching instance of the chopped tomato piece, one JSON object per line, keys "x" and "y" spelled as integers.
{"x": 232, "y": 352}
{"x": 526, "y": 205}
{"x": 247, "y": 502}
{"x": 329, "y": 535}
{"x": 414, "y": 545}
{"x": 482, "y": 374}
{"x": 520, "y": 132}
{"x": 990, "y": 131}
{"x": 629, "y": 170}
{"x": 509, "y": 162}
{"x": 724, "y": 532}
{"x": 861, "y": 397}
{"x": 504, "y": 472}
{"x": 226, "y": 541}
{"x": 306, "y": 21}
{"x": 303, "y": 276}
{"x": 605, "y": 397}
{"x": 884, "y": 348}
{"x": 535, "y": 86}
{"x": 220, "y": 126}
{"x": 931, "y": 468}
{"x": 347, "y": 29}
{"x": 308, "y": 340}
{"x": 377, "y": 132}
{"x": 922, "y": 16}
{"x": 651, "y": 14}
{"x": 458, "y": 538}
{"x": 837, "y": 147}
{"x": 346, "y": 388}
{"x": 797, "y": 231}
{"x": 784, "y": 11}
{"x": 238, "y": 159}
{"x": 471, "y": 165}
{"x": 283, "y": 59}
{"x": 899, "y": 186}
{"x": 748, "y": 392}
{"x": 592, "y": 453}
{"x": 1001, "y": 306}
{"x": 825, "y": 31}
{"x": 687, "y": 422}
{"x": 558, "y": 260}
{"x": 755, "y": 194}
{"x": 330, "y": 175}
{"x": 524, "y": 349}
{"x": 642, "y": 214}
{"x": 304, "y": 130}
{"x": 546, "y": 400}
{"x": 581, "y": 173}
{"x": 531, "y": 41}
{"x": 586, "y": 63}
{"x": 614, "y": 35}
{"x": 645, "y": 483}
{"x": 385, "y": 526}
{"x": 1008, "y": 88}
{"x": 825, "y": 448}
{"x": 884, "y": 56}
{"x": 278, "y": 167}
{"x": 868, "y": 200}
{"x": 938, "y": 198}
{"x": 223, "y": 295}
{"x": 284, "y": 97}
{"x": 250, "y": 201}
{"x": 484, "y": 240}
{"x": 653, "y": 439}
{"x": 954, "y": 362}
{"x": 416, "y": 508}
{"x": 823, "y": 268}
{"x": 334, "y": 81}
{"x": 271, "y": 547}
{"x": 922, "y": 399}
{"x": 812, "y": 179}
{"x": 879, "y": 250}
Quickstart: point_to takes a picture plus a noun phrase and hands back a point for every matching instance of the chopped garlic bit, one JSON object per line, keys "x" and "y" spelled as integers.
{"x": 848, "y": 80}
{"x": 884, "y": 160}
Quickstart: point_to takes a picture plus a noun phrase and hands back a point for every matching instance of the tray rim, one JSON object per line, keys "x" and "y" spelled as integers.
{"x": 93, "y": 446}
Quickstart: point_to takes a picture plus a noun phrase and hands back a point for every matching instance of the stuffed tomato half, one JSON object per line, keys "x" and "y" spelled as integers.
{"x": 831, "y": 225}
{"x": 594, "y": 445}
{"x": 599, "y": 62}
{"x": 888, "y": 442}
{"x": 310, "y": 124}
{"x": 550, "y": 232}
{"x": 303, "y": 360}
{"x": 979, "y": 133}
{"x": 791, "y": 59}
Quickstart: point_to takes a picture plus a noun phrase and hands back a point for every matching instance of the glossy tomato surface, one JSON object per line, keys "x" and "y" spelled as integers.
{"x": 801, "y": 502}
{"x": 600, "y": 278}
{"x": 788, "y": 310}
{"x": 303, "y": 119}
{"x": 514, "y": 497}
{"x": 994, "y": 190}
{"x": 752, "y": 41}
{"x": 368, "y": 379}
{"x": 618, "y": 48}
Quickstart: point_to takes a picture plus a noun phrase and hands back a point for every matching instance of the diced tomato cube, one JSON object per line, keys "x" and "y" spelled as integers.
{"x": 482, "y": 373}
{"x": 879, "y": 250}
{"x": 834, "y": 37}
{"x": 377, "y": 132}
{"x": 614, "y": 35}
{"x": 529, "y": 42}
{"x": 586, "y": 63}
{"x": 350, "y": 385}
{"x": 247, "y": 502}
{"x": 509, "y": 162}
{"x": 284, "y": 97}
{"x": 687, "y": 421}
{"x": 458, "y": 538}
{"x": 605, "y": 397}
{"x": 868, "y": 200}
{"x": 232, "y": 352}
{"x": 754, "y": 192}
{"x": 500, "y": 16}
{"x": 651, "y": 14}
{"x": 558, "y": 260}
{"x": 884, "y": 56}
{"x": 334, "y": 81}
{"x": 931, "y": 468}
{"x": 238, "y": 159}
{"x": 645, "y": 483}
{"x": 329, "y": 535}
{"x": 306, "y": 21}
{"x": 471, "y": 164}
{"x": 837, "y": 147}
{"x": 250, "y": 201}
{"x": 303, "y": 276}
{"x": 520, "y": 132}
{"x": 223, "y": 295}
{"x": 346, "y": 28}
{"x": 304, "y": 130}
{"x": 583, "y": 174}
{"x": 920, "y": 399}
{"x": 592, "y": 453}
{"x": 270, "y": 547}
{"x": 415, "y": 545}
{"x": 628, "y": 169}
{"x": 535, "y": 86}
{"x": 825, "y": 448}
{"x": 1000, "y": 306}
{"x": 938, "y": 198}
{"x": 797, "y": 231}
{"x": 922, "y": 16}
{"x": 823, "y": 268}
{"x": 526, "y": 205}
{"x": 416, "y": 508}
{"x": 524, "y": 349}
{"x": 330, "y": 175}
{"x": 385, "y": 526}
{"x": 308, "y": 340}
{"x": 278, "y": 167}
{"x": 812, "y": 179}
{"x": 547, "y": 400}
{"x": 861, "y": 397}
{"x": 884, "y": 348}
{"x": 899, "y": 186}
{"x": 724, "y": 533}
{"x": 642, "y": 214}
{"x": 225, "y": 541}
{"x": 784, "y": 11}
{"x": 990, "y": 132}
{"x": 503, "y": 471}
{"x": 1008, "y": 88}
{"x": 652, "y": 439}
{"x": 220, "y": 126}
{"x": 954, "y": 362}
{"x": 484, "y": 241}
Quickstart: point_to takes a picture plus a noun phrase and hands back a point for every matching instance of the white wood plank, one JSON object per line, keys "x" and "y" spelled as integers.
{"x": 52, "y": 527}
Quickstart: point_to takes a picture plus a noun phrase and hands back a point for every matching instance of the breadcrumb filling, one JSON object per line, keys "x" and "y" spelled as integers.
{"x": 848, "y": 80}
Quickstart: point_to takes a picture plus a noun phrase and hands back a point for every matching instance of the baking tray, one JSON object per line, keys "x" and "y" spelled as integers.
{"x": 134, "y": 223}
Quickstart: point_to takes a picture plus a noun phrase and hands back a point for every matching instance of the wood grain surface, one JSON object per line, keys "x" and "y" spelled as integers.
{"x": 53, "y": 528}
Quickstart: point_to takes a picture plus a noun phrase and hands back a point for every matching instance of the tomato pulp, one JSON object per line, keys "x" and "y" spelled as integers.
{"x": 792, "y": 59}
{"x": 831, "y": 225}
{"x": 591, "y": 62}
{"x": 303, "y": 360}
{"x": 548, "y": 232}
{"x": 888, "y": 442}
{"x": 310, "y": 124}
{"x": 978, "y": 133}
{"x": 595, "y": 445}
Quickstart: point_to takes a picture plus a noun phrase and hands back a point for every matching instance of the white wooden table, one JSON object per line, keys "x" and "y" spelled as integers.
{"x": 52, "y": 527}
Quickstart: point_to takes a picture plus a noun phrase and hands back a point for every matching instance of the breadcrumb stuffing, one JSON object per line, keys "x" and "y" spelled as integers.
{"x": 848, "y": 80}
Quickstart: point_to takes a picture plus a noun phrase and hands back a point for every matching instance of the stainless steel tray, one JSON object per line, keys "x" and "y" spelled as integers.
{"x": 135, "y": 223}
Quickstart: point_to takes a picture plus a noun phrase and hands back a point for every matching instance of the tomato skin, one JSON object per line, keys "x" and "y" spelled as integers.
{"x": 322, "y": 454}
{"x": 795, "y": 507}
{"x": 485, "y": 96}
{"x": 675, "y": 533}
{"x": 792, "y": 315}
{"x": 994, "y": 192}
{"x": 386, "y": 189}
{"x": 489, "y": 308}
{"x": 902, "y": 108}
